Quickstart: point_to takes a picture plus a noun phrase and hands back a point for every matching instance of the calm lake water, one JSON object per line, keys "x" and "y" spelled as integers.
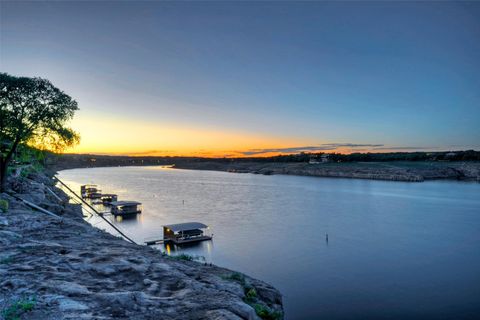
{"x": 395, "y": 249}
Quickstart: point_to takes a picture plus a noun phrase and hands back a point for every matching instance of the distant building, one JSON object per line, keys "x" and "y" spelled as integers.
{"x": 313, "y": 160}
{"x": 325, "y": 158}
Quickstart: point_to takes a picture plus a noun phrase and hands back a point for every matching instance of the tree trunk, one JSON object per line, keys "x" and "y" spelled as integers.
{"x": 4, "y": 161}
{"x": 3, "y": 174}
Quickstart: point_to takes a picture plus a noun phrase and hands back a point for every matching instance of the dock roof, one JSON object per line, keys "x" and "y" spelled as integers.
{"x": 125, "y": 203}
{"x": 186, "y": 226}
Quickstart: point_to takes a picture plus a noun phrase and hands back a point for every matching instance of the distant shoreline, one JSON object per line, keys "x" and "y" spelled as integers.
{"x": 391, "y": 171}
{"x": 411, "y": 171}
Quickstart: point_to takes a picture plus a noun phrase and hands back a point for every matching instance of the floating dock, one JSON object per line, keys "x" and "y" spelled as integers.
{"x": 126, "y": 208}
{"x": 183, "y": 233}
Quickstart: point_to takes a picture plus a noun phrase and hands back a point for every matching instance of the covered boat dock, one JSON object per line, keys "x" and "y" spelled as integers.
{"x": 90, "y": 191}
{"x": 182, "y": 233}
{"x": 108, "y": 198}
{"x": 185, "y": 232}
{"x": 126, "y": 208}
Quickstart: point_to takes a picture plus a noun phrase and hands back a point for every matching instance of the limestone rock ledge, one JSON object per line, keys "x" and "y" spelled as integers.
{"x": 76, "y": 271}
{"x": 391, "y": 171}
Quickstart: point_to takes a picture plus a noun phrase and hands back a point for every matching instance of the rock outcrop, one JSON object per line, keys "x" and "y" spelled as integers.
{"x": 415, "y": 171}
{"x": 76, "y": 271}
{"x": 394, "y": 171}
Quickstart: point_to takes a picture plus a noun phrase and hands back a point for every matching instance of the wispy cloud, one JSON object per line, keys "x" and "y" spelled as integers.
{"x": 404, "y": 148}
{"x": 321, "y": 147}
{"x": 351, "y": 145}
{"x": 137, "y": 153}
{"x": 149, "y": 152}
{"x": 434, "y": 148}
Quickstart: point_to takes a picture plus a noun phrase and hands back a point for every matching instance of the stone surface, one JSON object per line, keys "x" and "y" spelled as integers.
{"x": 3, "y": 222}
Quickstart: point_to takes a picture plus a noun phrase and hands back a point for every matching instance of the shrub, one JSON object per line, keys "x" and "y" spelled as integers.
{"x": 251, "y": 298}
{"x": 266, "y": 313}
{"x": 18, "y": 308}
{"x": 236, "y": 276}
{"x": 3, "y": 205}
{"x": 183, "y": 256}
{"x": 250, "y": 295}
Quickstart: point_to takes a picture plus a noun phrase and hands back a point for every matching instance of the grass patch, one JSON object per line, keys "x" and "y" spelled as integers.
{"x": 266, "y": 313}
{"x": 251, "y": 298}
{"x": 3, "y": 205}
{"x": 15, "y": 310}
{"x": 236, "y": 276}
{"x": 250, "y": 295}
{"x": 185, "y": 257}
{"x": 263, "y": 311}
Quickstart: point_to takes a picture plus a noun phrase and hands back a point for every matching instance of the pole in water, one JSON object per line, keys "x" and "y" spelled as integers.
{"x": 183, "y": 201}
{"x": 326, "y": 237}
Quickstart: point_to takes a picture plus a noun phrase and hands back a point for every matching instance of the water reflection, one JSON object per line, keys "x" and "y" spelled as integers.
{"x": 168, "y": 249}
{"x": 129, "y": 218}
{"x": 201, "y": 250}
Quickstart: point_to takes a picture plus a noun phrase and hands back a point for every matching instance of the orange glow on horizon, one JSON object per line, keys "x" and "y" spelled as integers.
{"x": 117, "y": 136}
{"x": 110, "y": 135}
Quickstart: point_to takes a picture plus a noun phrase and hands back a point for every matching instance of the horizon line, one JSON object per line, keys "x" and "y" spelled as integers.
{"x": 137, "y": 155}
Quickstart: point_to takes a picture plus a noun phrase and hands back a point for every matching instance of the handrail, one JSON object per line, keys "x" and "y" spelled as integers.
{"x": 34, "y": 206}
{"x": 53, "y": 194}
{"x": 94, "y": 210}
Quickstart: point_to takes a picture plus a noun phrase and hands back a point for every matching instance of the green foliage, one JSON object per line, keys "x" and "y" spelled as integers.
{"x": 3, "y": 205}
{"x": 15, "y": 310}
{"x": 183, "y": 256}
{"x": 31, "y": 169}
{"x": 33, "y": 112}
{"x": 250, "y": 295}
{"x": 263, "y": 311}
{"x": 26, "y": 155}
{"x": 266, "y": 313}
{"x": 236, "y": 276}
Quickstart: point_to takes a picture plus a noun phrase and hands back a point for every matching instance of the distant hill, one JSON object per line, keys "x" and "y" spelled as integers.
{"x": 63, "y": 161}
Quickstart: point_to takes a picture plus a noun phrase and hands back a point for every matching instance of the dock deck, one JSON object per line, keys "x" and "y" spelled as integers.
{"x": 177, "y": 241}
{"x": 182, "y": 233}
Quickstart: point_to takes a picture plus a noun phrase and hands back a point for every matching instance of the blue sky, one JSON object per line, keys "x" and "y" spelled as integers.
{"x": 285, "y": 74}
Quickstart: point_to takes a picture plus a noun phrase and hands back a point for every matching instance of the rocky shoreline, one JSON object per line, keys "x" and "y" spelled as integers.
{"x": 67, "y": 269}
{"x": 414, "y": 171}
{"x": 393, "y": 171}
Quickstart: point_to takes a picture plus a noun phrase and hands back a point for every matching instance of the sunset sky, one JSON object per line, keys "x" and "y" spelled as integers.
{"x": 255, "y": 78}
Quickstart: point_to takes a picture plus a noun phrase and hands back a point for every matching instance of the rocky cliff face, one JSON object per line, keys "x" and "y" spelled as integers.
{"x": 414, "y": 171}
{"x": 72, "y": 270}
{"x": 394, "y": 171}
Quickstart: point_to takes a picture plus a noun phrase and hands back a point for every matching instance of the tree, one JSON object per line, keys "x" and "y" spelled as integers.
{"x": 33, "y": 112}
